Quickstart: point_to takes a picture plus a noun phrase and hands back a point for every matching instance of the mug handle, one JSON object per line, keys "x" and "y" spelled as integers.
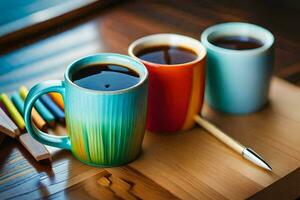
{"x": 34, "y": 93}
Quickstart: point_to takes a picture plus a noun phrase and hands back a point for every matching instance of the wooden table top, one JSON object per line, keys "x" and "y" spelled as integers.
{"x": 188, "y": 165}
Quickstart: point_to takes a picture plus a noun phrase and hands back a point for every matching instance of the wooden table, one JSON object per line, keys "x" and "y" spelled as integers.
{"x": 189, "y": 165}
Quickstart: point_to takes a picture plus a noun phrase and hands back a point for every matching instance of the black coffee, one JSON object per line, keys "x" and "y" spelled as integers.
{"x": 237, "y": 42}
{"x": 167, "y": 55}
{"x": 105, "y": 77}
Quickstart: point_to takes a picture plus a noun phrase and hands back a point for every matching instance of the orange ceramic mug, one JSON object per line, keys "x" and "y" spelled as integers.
{"x": 175, "y": 91}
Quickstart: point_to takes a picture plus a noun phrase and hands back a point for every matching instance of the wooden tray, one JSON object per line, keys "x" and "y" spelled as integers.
{"x": 187, "y": 165}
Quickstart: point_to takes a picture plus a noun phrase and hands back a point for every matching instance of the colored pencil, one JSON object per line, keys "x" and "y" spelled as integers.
{"x": 3, "y": 107}
{"x": 57, "y": 98}
{"x": 13, "y": 112}
{"x": 58, "y": 113}
{"x": 7, "y": 126}
{"x": 37, "y": 119}
{"x": 40, "y": 107}
{"x": 36, "y": 149}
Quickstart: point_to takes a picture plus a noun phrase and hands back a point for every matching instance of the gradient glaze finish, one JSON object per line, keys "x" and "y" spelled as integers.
{"x": 109, "y": 132}
{"x": 175, "y": 91}
{"x": 105, "y": 128}
{"x": 237, "y": 81}
{"x": 175, "y": 96}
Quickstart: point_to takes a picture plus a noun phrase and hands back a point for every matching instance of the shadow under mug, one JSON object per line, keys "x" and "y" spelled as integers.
{"x": 237, "y": 81}
{"x": 175, "y": 91}
{"x": 105, "y": 128}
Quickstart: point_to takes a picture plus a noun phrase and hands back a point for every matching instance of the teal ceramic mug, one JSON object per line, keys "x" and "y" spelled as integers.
{"x": 237, "y": 81}
{"x": 105, "y": 128}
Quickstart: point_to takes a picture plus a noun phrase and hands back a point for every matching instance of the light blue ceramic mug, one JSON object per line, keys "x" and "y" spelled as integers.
{"x": 105, "y": 128}
{"x": 237, "y": 81}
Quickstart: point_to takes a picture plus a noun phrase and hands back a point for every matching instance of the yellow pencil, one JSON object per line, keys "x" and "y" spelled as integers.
{"x": 40, "y": 107}
{"x": 57, "y": 98}
{"x": 23, "y": 92}
{"x": 13, "y": 112}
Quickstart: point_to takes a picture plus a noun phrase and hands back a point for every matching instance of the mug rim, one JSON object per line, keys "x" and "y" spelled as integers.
{"x": 241, "y": 26}
{"x": 143, "y": 75}
{"x": 200, "y": 51}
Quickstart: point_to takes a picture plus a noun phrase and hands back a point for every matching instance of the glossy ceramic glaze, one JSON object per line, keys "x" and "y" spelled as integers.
{"x": 105, "y": 128}
{"x": 175, "y": 91}
{"x": 237, "y": 81}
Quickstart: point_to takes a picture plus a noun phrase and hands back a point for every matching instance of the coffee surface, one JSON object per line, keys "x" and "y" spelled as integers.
{"x": 169, "y": 55}
{"x": 105, "y": 77}
{"x": 237, "y": 42}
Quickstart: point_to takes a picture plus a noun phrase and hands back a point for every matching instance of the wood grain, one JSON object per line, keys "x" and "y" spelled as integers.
{"x": 114, "y": 29}
{"x": 189, "y": 165}
{"x": 116, "y": 183}
{"x": 7, "y": 126}
{"x": 186, "y": 165}
{"x": 36, "y": 149}
{"x": 285, "y": 188}
{"x": 219, "y": 134}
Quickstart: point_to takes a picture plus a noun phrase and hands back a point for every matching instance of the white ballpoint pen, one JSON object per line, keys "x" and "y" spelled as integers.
{"x": 247, "y": 153}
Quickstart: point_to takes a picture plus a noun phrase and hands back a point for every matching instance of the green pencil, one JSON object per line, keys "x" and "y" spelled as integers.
{"x": 13, "y": 112}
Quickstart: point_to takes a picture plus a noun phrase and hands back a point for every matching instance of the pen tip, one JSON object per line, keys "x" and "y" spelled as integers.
{"x": 252, "y": 156}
